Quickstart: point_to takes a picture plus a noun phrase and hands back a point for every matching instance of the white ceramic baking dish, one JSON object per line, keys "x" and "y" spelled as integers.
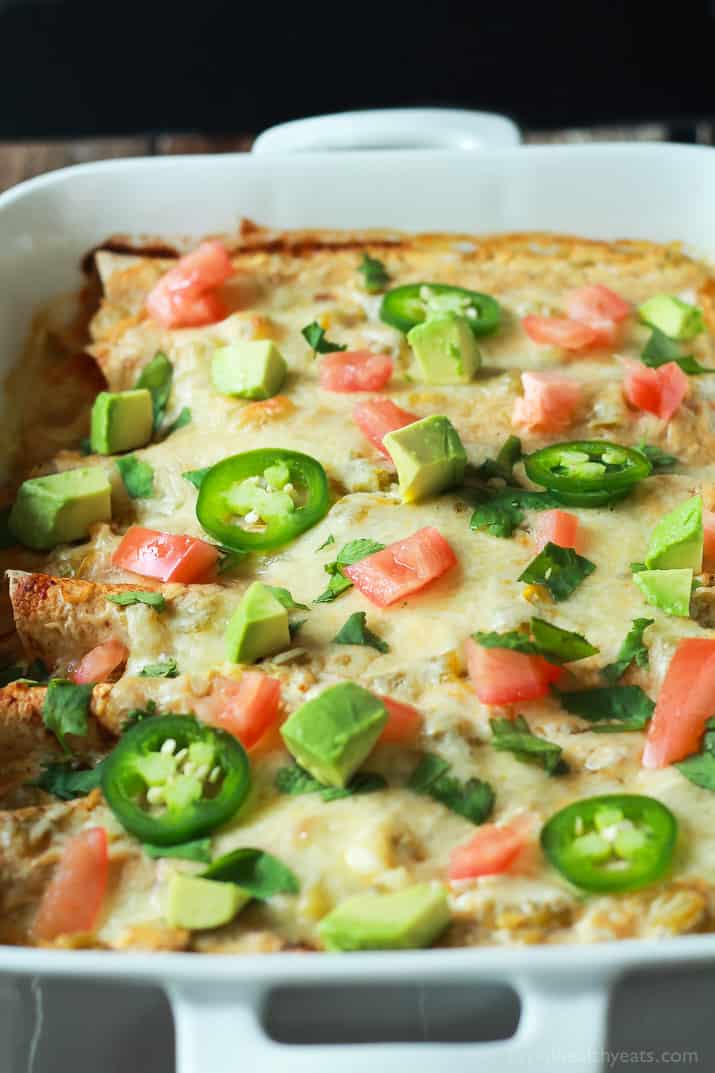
{"x": 468, "y": 174}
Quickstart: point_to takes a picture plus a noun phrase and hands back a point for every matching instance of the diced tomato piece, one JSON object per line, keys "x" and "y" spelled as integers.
{"x": 181, "y": 298}
{"x": 600, "y": 309}
{"x": 73, "y": 900}
{"x": 403, "y": 722}
{"x": 376, "y": 417}
{"x": 166, "y": 556}
{"x": 355, "y": 370}
{"x": 503, "y": 676}
{"x": 559, "y": 331}
{"x": 709, "y": 541}
{"x": 658, "y": 391}
{"x": 548, "y": 402}
{"x": 685, "y": 702}
{"x": 402, "y": 568}
{"x": 100, "y": 663}
{"x": 246, "y": 708}
{"x": 556, "y": 527}
{"x": 492, "y": 850}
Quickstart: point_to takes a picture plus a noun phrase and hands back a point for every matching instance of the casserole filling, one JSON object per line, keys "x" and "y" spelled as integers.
{"x": 360, "y": 597}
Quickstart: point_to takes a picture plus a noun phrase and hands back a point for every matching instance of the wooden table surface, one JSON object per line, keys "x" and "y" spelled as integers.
{"x": 22, "y": 160}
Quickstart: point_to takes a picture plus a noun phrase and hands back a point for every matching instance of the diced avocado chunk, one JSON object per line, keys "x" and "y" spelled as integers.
{"x": 61, "y": 507}
{"x": 677, "y": 540}
{"x": 258, "y": 627}
{"x": 193, "y": 902}
{"x": 670, "y": 590}
{"x": 405, "y": 920}
{"x": 672, "y": 316}
{"x": 251, "y": 370}
{"x": 429, "y": 457}
{"x": 445, "y": 349}
{"x": 121, "y": 421}
{"x": 332, "y": 734}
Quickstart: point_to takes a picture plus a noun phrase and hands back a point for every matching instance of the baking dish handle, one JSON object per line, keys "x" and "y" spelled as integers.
{"x": 392, "y": 128}
{"x": 562, "y": 1026}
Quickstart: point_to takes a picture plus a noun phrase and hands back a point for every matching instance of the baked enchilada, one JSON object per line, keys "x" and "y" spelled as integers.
{"x": 360, "y": 599}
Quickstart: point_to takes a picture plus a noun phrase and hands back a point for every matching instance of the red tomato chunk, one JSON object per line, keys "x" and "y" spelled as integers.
{"x": 548, "y": 402}
{"x": 402, "y": 568}
{"x": 685, "y": 702}
{"x": 559, "y": 331}
{"x": 503, "y": 676}
{"x": 492, "y": 850}
{"x": 73, "y": 900}
{"x": 166, "y": 556}
{"x": 100, "y": 663}
{"x": 355, "y": 370}
{"x": 376, "y": 417}
{"x": 184, "y": 297}
{"x": 556, "y": 527}
{"x": 657, "y": 391}
{"x": 247, "y": 707}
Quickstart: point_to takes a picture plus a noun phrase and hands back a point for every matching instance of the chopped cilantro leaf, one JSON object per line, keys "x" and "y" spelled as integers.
{"x": 660, "y": 349}
{"x": 560, "y": 570}
{"x": 135, "y": 715}
{"x": 198, "y": 850}
{"x": 66, "y": 709}
{"x": 138, "y": 596}
{"x": 138, "y": 477}
{"x": 294, "y": 780}
{"x": 355, "y": 632}
{"x": 633, "y": 650}
{"x": 502, "y": 466}
{"x": 501, "y": 513}
{"x": 350, "y": 553}
{"x": 472, "y": 799}
{"x": 163, "y": 669}
{"x": 195, "y": 476}
{"x": 255, "y": 871}
{"x": 515, "y": 736}
{"x": 613, "y": 708}
{"x": 284, "y": 597}
{"x": 229, "y": 558}
{"x": 326, "y": 543}
{"x": 156, "y": 377}
{"x": 541, "y": 639}
{"x": 184, "y": 418}
{"x": 314, "y": 336}
{"x": 700, "y": 768}
{"x": 66, "y": 781}
{"x": 375, "y": 275}
{"x": 659, "y": 460}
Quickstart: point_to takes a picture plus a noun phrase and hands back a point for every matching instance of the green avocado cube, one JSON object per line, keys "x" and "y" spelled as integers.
{"x": 445, "y": 349}
{"x": 405, "y": 920}
{"x": 121, "y": 421}
{"x": 61, "y": 507}
{"x": 332, "y": 734}
{"x": 250, "y": 370}
{"x": 677, "y": 540}
{"x": 672, "y": 316}
{"x": 429, "y": 457}
{"x": 670, "y": 590}
{"x": 193, "y": 902}
{"x": 258, "y": 627}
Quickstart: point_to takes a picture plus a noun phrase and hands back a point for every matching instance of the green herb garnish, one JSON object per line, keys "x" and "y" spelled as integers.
{"x": 314, "y": 336}
{"x": 66, "y": 709}
{"x": 355, "y": 632}
{"x": 700, "y": 768}
{"x": 68, "y": 782}
{"x": 195, "y": 476}
{"x": 138, "y": 477}
{"x": 659, "y": 460}
{"x": 503, "y": 512}
{"x": 659, "y": 350}
{"x": 613, "y": 708}
{"x": 255, "y": 871}
{"x": 198, "y": 850}
{"x": 163, "y": 669}
{"x": 294, "y": 780}
{"x": 633, "y": 650}
{"x": 515, "y": 736}
{"x": 138, "y": 596}
{"x": 560, "y": 570}
{"x": 472, "y": 799}
{"x": 375, "y": 275}
{"x": 541, "y": 639}
{"x": 156, "y": 377}
{"x": 352, "y": 552}
{"x": 181, "y": 421}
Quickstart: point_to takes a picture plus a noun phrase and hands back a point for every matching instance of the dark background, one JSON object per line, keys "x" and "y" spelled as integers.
{"x": 75, "y": 67}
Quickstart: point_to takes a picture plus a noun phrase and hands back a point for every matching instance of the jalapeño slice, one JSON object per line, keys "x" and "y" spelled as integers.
{"x": 173, "y": 779}
{"x": 260, "y": 500}
{"x": 404, "y": 307}
{"x": 587, "y": 473}
{"x": 612, "y": 843}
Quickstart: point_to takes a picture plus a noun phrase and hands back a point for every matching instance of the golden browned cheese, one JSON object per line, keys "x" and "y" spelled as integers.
{"x": 387, "y": 840}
